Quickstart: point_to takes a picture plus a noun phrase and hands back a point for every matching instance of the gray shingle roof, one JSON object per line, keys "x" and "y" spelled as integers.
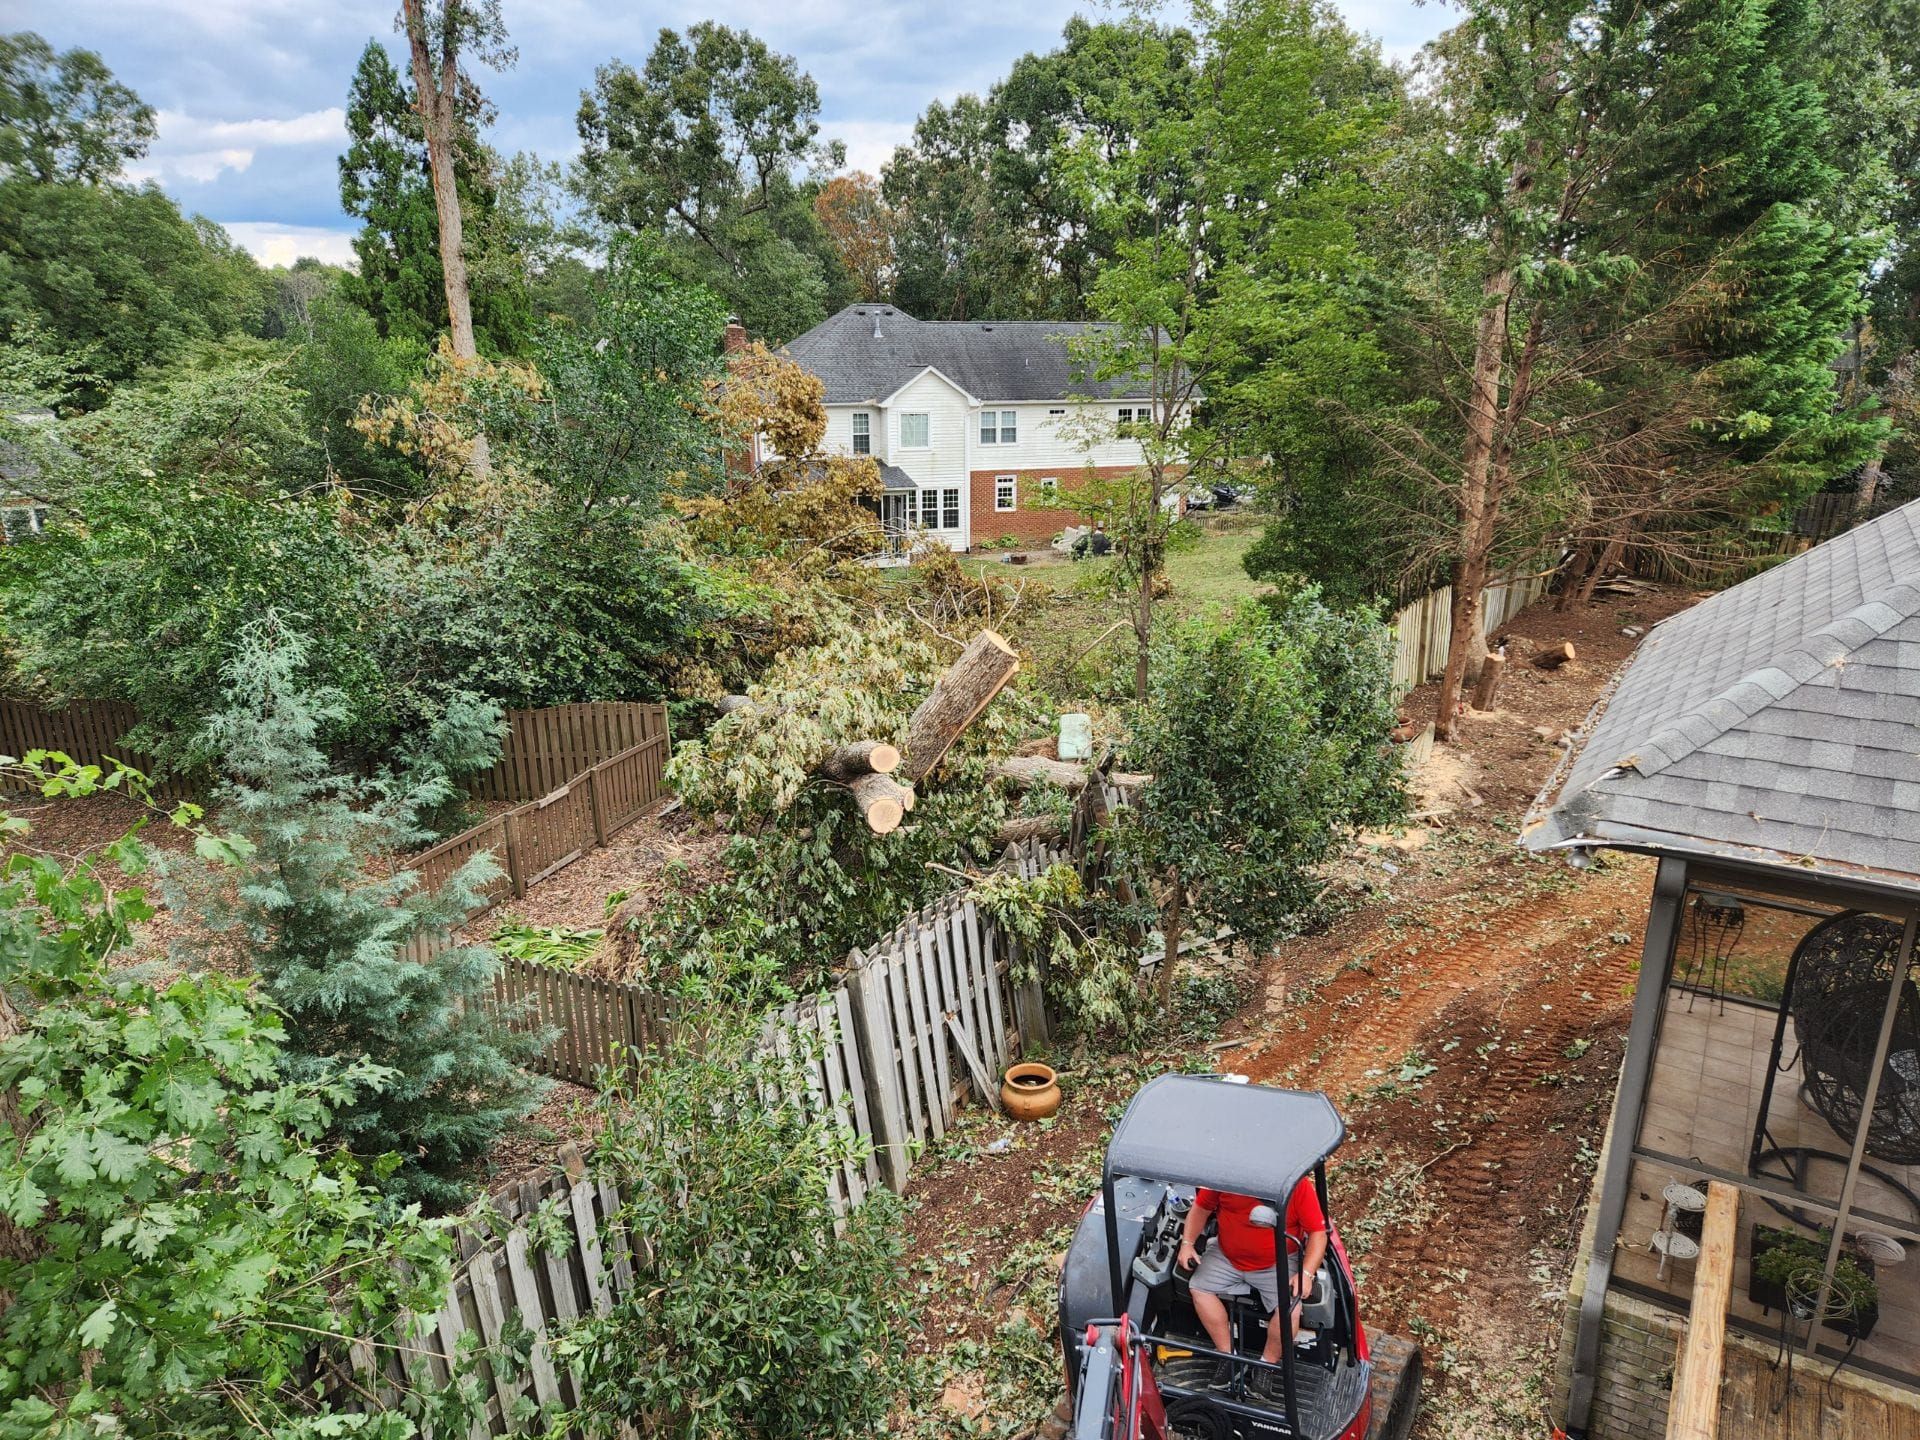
{"x": 1775, "y": 723}
{"x": 868, "y": 351}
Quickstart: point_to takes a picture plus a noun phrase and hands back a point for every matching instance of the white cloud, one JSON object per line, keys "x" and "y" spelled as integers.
{"x": 189, "y": 148}
{"x": 275, "y": 244}
{"x": 870, "y": 143}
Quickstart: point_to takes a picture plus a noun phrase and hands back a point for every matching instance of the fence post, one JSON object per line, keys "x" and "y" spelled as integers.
{"x": 597, "y": 806}
{"x": 511, "y": 825}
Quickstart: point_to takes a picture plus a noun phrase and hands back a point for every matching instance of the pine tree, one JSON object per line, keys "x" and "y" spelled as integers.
{"x": 327, "y": 923}
{"x": 384, "y": 181}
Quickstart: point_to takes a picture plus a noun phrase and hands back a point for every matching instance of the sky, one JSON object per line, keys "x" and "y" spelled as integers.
{"x": 251, "y": 93}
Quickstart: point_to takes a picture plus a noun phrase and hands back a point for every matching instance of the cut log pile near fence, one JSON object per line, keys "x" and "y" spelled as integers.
{"x": 1423, "y": 629}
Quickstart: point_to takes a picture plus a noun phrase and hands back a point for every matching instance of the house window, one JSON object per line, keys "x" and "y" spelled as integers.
{"x": 999, "y": 427}
{"x": 1055, "y": 414}
{"x": 913, "y": 432}
{"x": 1004, "y": 487}
{"x": 1049, "y": 491}
{"x": 862, "y": 435}
{"x": 949, "y": 508}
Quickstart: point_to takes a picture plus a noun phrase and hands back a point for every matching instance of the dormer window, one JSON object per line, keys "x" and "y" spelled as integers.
{"x": 862, "y": 433}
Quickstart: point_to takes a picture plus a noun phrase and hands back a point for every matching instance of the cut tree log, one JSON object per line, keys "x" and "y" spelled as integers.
{"x": 848, "y": 763}
{"x": 1491, "y": 669}
{"x": 1555, "y": 657}
{"x": 1023, "y": 772}
{"x": 882, "y": 800}
{"x": 958, "y": 697}
{"x": 728, "y": 704}
{"x": 1031, "y": 827}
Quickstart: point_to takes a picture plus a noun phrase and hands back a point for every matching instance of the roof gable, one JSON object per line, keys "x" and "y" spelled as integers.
{"x": 934, "y": 371}
{"x": 1777, "y": 722}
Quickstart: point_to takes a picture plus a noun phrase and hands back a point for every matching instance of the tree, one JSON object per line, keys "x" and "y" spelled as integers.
{"x": 1233, "y": 241}
{"x": 328, "y": 932}
{"x": 192, "y": 1243}
{"x": 723, "y": 1193}
{"x": 64, "y": 117}
{"x": 701, "y": 145}
{"x": 386, "y": 180}
{"x": 860, "y": 223}
{"x": 1266, "y": 736}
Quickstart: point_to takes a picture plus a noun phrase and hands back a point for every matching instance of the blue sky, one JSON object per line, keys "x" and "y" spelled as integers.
{"x": 251, "y": 92}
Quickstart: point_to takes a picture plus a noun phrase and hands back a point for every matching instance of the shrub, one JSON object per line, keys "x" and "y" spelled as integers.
{"x": 748, "y": 1314}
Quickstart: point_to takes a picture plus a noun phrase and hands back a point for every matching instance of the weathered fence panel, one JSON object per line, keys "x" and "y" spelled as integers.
{"x": 548, "y": 748}
{"x": 88, "y": 731}
{"x": 1424, "y": 629}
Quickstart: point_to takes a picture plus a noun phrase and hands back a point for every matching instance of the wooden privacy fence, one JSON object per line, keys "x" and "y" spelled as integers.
{"x": 88, "y": 731}
{"x": 1424, "y": 629}
{"x": 548, "y": 748}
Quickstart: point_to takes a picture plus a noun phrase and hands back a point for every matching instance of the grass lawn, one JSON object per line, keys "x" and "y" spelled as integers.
{"x": 1067, "y": 615}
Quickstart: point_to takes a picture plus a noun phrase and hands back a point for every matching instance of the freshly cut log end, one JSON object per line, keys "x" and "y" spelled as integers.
{"x": 883, "y": 802}
{"x": 958, "y": 697}
{"x": 863, "y": 757}
{"x": 1554, "y": 658}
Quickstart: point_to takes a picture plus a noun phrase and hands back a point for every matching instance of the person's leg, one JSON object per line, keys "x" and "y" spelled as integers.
{"x": 1280, "y": 1309}
{"x": 1212, "y": 1311}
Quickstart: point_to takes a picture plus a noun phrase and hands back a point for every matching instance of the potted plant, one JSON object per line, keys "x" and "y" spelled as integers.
{"x": 1781, "y": 1259}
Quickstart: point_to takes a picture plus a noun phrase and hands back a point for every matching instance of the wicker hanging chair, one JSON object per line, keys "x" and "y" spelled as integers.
{"x": 1841, "y": 971}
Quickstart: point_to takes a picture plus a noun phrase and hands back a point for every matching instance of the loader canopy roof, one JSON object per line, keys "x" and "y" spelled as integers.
{"x": 1205, "y": 1130}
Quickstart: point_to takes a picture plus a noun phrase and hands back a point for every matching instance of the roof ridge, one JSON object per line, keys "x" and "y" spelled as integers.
{"x": 1818, "y": 652}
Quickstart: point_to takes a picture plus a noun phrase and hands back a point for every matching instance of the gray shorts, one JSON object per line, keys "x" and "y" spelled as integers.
{"x": 1217, "y": 1275}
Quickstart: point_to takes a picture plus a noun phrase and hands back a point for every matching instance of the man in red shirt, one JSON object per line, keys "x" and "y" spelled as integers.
{"x": 1244, "y": 1258}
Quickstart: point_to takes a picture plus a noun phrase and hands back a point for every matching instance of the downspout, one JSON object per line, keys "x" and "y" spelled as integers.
{"x": 1649, "y": 998}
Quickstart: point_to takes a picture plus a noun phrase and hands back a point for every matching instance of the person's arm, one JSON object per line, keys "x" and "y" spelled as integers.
{"x": 1197, "y": 1217}
{"x": 1311, "y": 1254}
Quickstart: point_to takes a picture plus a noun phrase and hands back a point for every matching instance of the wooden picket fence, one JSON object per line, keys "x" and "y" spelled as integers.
{"x": 1424, "y": 629}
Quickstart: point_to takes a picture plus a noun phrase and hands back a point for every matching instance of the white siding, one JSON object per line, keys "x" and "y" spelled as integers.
{"x": 943, "y": 464}
{"x": 1043, "y": 446}
{"x": 839, "y": 437}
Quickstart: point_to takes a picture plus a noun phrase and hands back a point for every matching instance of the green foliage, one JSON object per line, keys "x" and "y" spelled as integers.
{"x": 1266, "y": 736}
{"x": 748, "y": 1314}
{"x": 118, "y": 274}
{"x": 341, "y": 364}
{"x": 1790, "y": 1258}
{"x": 552, "y": 945}
{"x": 64, "y": 117}
{"x": 179, "y": 1245}
{"x": 700, "y": 146}
{"x": 326, "y": 920}
{"x": 1092, "y": 980}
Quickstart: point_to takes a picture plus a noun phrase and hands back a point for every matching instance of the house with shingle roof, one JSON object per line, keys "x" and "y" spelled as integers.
{"x": 1762, "y": 1165}
{"x": 978, "y": 426}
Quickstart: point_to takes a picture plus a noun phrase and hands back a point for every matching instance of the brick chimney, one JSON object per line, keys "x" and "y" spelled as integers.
{"x": 736, "y": 335}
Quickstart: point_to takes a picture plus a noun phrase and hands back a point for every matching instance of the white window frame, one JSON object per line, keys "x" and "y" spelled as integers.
{"x": 1012, "y": 484}
{"x": 862, "y": 423}
{"x": 1049, "y": 486}
{"x": 926, "y": 424}
{"x": 1055, "y": 414}
{"x": 999, "y": 427}
{"x": 1009, "y": 427}
{"x": 950, "y": 505}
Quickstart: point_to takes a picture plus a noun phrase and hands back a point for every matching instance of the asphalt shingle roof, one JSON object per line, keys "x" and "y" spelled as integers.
{"x": 1777, "y": 722}
{"x": 868, "y": 351}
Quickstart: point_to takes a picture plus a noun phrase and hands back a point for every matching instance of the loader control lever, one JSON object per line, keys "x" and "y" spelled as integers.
{"x": 1153, "y": 1266}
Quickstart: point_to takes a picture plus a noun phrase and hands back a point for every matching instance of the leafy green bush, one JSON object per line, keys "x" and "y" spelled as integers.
{"x": 748, "y": 1314}
{"x": 180, "y": 1247}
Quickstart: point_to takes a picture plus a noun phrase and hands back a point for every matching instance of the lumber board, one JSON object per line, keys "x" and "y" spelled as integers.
{"x": 933, "y": 1046}
{"x": 856, "y": 1086}
{"x": 1694, "y": 1412}
{"x": 526, "y": 1298}
{"x": 592, "y": 1262}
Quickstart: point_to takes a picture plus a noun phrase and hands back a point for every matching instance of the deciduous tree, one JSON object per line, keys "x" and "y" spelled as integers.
{"x": 64, "y": 116}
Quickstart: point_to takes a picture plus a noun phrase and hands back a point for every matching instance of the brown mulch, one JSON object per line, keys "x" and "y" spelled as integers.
{"x": 1497, "y": 984}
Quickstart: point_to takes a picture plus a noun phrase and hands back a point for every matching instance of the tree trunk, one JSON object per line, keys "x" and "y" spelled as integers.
{"x": 863, "y": 757}
{"x": 981, "y": 672}
{"x": 1609, "y": 558}
{"x": 883, "y": 802}
{"x": 435, "y": 96}
{"x": 1023, "y": 772}
{"x": 1490, "y": 671}
{"x": 1032, "y": 827}
{"x": 1477, "y": 512}
{"x": 1172, "y": 919}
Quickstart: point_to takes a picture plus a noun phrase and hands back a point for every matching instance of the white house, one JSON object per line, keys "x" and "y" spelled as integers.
{"x": 977, "y": 425}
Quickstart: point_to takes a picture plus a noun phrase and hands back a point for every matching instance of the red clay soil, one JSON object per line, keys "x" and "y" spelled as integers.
{"x": 1466, "y": 1011}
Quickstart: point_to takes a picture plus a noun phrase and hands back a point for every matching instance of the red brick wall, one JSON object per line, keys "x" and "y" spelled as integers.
{"x": 1027, "y": 521}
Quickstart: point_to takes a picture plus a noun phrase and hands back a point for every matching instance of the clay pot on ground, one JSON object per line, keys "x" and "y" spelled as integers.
{"x": 1031, "y": 1091}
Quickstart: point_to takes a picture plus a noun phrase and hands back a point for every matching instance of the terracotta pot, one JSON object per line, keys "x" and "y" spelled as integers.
{"x": 1031, "y": 1091}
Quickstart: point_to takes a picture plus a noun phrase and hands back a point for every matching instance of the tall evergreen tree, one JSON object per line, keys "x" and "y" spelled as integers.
{"x": 327, "y": 920}
{"x": 384, "y": 180}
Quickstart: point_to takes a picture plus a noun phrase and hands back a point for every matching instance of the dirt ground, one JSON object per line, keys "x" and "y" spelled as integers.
{"x": 1465, "y": 1006}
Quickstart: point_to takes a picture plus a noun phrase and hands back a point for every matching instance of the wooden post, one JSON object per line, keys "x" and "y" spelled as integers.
{"x": 1694, "y": 1413}
{"x": 1490, "y": 669}
{"x": 597, "y": 805}
{"x": 515, "y": 874}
